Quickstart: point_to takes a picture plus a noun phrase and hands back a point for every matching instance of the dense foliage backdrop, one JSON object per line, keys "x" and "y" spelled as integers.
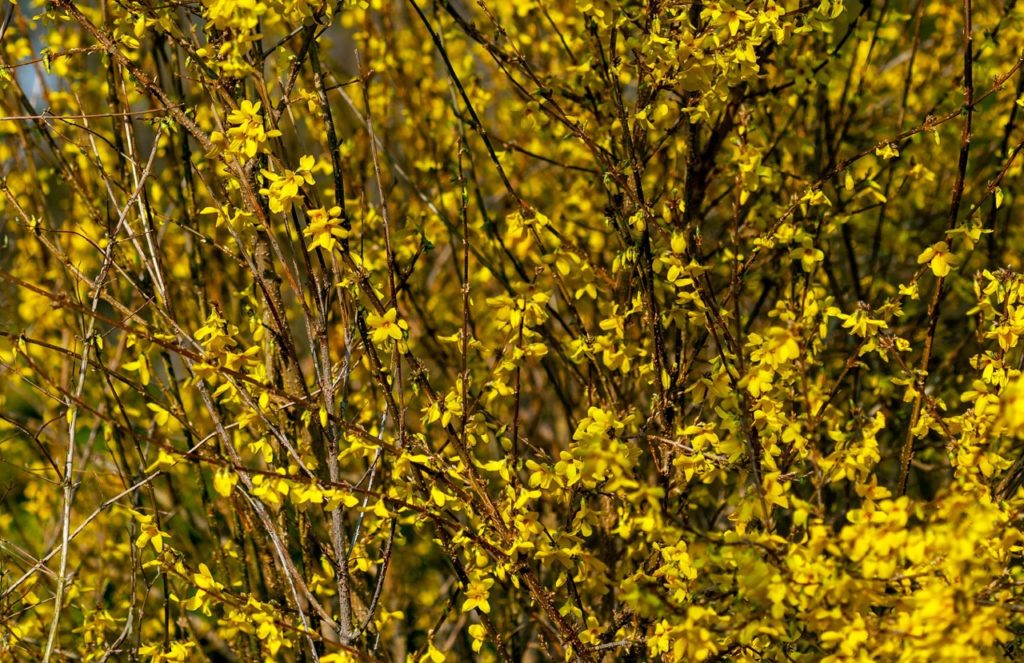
{"x": 511, "y": 330}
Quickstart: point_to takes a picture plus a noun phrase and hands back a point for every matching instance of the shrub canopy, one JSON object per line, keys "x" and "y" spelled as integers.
{"x": 426, "y": 330}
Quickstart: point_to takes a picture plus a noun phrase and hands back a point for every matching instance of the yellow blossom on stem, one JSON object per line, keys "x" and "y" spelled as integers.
{"x": 387, "y": 326}
{"x": 939, "y": 258}
{"x": 325, "y": 228}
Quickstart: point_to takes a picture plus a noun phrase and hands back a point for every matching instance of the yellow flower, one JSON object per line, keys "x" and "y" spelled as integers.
{"x": 150, "y": 534}
{"x": 808, "y": 256}
{"x": 863, "y": 325}
{"x": 284, "y": 188}
{"x": 178, "y": 652}
{"x": 777, "y": 348}
{"x": 224, "y": 481}
{"x": 386, "y": 326}
{"x": 759, "y": 381}
{"x": 325, "y": 228}
{"x": 160, "y": 415}
{"x": 246, "y": 112}
{"x": 164, "y": 461}
{"x": 247, "y": 133}
{"x": 938, "y": 258}
{"x": 477, "y": 595}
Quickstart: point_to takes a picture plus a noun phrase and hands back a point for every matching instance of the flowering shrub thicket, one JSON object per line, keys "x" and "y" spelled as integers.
{"x": 450, "y": 330}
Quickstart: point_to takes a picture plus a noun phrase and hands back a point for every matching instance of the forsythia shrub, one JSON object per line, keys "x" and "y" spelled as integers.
{"x": 511, "y": 330}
